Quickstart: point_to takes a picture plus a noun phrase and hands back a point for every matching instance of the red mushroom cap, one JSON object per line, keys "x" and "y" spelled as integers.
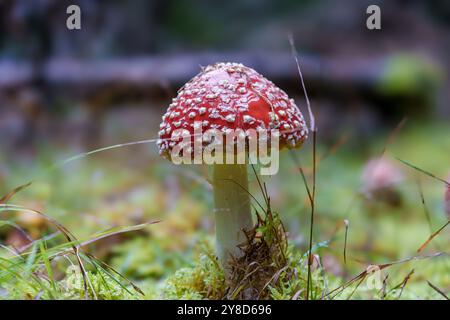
{"x": 227, "y": 96}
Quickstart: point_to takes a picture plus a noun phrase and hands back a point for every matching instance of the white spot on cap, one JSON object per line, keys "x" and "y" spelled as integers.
{"x": 225, "y": 99}
{"x": 230, "y": 118}
{"x": 197, "y": 124}
{"x": 214, "y": 115}
{"x": 248, "y": 119}
{"x": 273, "y": 116}
{"x": 174, "y": 115}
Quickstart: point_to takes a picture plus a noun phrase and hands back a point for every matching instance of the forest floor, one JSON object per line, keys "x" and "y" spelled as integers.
{"x": 126, "y": 224}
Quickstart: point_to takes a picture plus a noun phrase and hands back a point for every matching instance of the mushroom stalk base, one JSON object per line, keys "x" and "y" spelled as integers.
{"x": 232, "y": 209}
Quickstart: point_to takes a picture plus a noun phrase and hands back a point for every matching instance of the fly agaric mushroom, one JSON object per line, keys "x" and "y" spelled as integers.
{"x": 228, "y": 97}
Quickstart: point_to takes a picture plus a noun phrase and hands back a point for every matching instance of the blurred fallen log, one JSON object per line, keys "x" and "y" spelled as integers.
{"x": 84, "y": 77}
{"x": 15, "y": 74}
{"x": 403, "y": 79}
{"x": 382, "y": 86}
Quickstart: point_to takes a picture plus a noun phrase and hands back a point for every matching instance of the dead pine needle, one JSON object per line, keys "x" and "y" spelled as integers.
{"x": 12, "y": 193}
{"x": 424, "y": 204}
{"x": 403, "y": 284}
{"x": 433, "y": 235}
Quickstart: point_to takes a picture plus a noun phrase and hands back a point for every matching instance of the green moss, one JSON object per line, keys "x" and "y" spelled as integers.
{"x": 143, "y": 257}
{"x": 31, "y": 286}
{"x": 205, "y": 280}
{"x": 292, "y": 282}
{"x": 101, "y": 287}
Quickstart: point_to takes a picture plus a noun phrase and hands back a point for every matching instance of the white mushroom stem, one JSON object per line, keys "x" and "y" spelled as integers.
{"x": 232, "y": 209}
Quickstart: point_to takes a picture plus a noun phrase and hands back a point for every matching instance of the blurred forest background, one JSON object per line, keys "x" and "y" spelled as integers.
{"x": 130, "y": 57}
{"x": 63, "y": 92}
